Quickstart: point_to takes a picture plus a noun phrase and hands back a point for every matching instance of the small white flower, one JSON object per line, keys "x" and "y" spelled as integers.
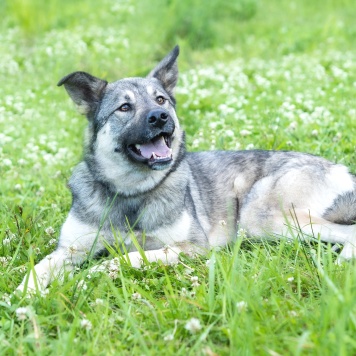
{"x": 6, "y": 241}
{"x": 222, "y": 222}
{"x": 86, "y": 324}
{"x": 40, "y": 191}
{"x": 209, "y": 262}
{"x": 6, "y": 299}
{"x": 183, "y": 292}
{"x": 293, "y": 313}
{"x": 194, "y": 280}
{"x": 82, "y": 285}
{"x": 136, "y": 296}
{"x": 49, "y": 230}
{"x": 52, "y": 242}
{"x": 193, "y": 325}
{"x": 293, "y": 125}
{"x": 245, "y": 132}
{"x": 22, "y": 313}
{"x": 315, "y": 133}
{"x": 72, "y": 250}
{"x": 241, "y": 306}
{"x": 99, "y": 301}
{"x": 168, "y": 337}
{"x": 4, "y": 261}
{"x": 7, "y": 162}
{"x": 113, "y": 275}
{"x": 18, "y": 187}
{"x": 290, "y": 279}
{"x": 241, "y": 233}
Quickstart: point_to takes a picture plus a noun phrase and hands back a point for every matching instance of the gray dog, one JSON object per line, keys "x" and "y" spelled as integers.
{"x": 136, "y": 178}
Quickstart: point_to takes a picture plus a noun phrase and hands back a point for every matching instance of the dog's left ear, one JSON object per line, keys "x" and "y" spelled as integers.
{"x": 167, "y": 71}
{"x": 85, "y": 90}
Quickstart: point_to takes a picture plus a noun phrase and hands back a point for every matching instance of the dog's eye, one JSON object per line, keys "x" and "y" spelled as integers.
{"x": 160, "y": 100}
{"x": 124, "y": 107}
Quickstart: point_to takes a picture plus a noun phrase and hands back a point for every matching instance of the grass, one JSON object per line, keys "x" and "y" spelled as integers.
{"x": 282, "y": 76}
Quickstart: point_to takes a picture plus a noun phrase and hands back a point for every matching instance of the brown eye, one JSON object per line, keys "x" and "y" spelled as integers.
{"x": 160, "y": 100}
{"x": 124, "y": 107}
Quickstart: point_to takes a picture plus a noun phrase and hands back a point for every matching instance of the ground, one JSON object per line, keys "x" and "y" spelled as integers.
{"x": 271, "y": 75}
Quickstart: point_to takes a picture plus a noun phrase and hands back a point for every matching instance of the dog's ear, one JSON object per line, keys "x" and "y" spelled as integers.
{"x": 85, "y": 90}
{"x": 167, "y": 71}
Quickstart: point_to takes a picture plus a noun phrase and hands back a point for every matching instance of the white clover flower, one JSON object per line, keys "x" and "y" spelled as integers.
{"x": 293, "y": 125}
{"x": 245, "y": 132}
{"x": 72, "y": 250}
{"x": 22, "y": 313}
{"x": 292, "y": 313}
{"x": 290, "y": 279}
{"x": 4, "y": 261}
{"x": 315, "y": 133}
{"x": 193, "y": 325}
{"x": 6, "y": 241}
{"x": 82, "y": 285}
{"x": 7, "y": 162}
{"x": 209, "y": 262}
{"x": 229, "y": 133}
{"x": 40, "y": 191}
{"x": 136, "y": 296}
{"x": 168, "y": 337}
{"x": 18, "y": 187}
{"x": 241, "y": 233}
{"x": 113, "y": 275}
{"x": 99, "y": 301}
{"x": 194, "y": 280}
{"x": 86, "y": 324}
{"x": 250, "y": 146}
{"x": 51, "y": 242}
{"x": 241, "y": 306}
{"x": 49, "y": 230}
{"x": 6, "y": 299}
{"x": 183, "y": 292}
{"x": 222, "y": 222}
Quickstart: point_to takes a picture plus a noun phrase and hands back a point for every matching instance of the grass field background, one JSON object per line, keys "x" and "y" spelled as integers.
{"x": 253, "y": 74}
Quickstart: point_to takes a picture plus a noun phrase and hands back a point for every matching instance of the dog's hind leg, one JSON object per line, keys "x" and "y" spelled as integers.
{"x": 76, "y": 242}
{"x": 303, "y": 224}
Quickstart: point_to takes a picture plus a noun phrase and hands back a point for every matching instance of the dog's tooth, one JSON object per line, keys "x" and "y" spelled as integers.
{"x": 154, "y": 155}
{"x": 138, "y": 146}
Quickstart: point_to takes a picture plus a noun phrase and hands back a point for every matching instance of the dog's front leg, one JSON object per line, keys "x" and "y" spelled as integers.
{"x": 77, "y": 240}
{"x": 168, "y": 255}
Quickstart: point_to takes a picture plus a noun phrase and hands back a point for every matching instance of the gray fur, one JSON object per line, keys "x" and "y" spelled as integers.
{"x": 189, "y": 201}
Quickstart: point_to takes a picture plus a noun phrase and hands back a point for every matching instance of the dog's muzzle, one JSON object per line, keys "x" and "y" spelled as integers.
{"x": 155, "y": 150}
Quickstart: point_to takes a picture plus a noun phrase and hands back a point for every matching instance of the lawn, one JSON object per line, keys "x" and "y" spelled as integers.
{"x": 253, "y": 74}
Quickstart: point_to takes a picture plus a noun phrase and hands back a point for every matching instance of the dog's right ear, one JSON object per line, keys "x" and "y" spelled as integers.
{"x": 85, "y": 90}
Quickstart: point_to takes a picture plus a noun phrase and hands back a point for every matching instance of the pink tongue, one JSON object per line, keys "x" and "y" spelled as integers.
{"x": 157, "y": 146}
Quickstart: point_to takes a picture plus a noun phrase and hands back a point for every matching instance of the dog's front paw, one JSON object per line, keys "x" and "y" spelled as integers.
{"x": 348, "y": 252}
{"x": 136, "y": 259}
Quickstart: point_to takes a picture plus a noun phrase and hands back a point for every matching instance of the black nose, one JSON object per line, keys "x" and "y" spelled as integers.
{"x": 157, "y": 118}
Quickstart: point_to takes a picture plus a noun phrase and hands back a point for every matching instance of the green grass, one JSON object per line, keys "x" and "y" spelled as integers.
{"x": 275, "y": 75}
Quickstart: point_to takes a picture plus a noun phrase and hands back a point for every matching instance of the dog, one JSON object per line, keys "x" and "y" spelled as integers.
{"x": 136, "y": 178}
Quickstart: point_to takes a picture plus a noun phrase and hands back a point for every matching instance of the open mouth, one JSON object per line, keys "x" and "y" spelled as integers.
{"x": 157, "y": 152}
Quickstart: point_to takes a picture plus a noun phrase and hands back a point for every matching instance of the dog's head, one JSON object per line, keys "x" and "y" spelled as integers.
{"x": 133, "y": 125}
